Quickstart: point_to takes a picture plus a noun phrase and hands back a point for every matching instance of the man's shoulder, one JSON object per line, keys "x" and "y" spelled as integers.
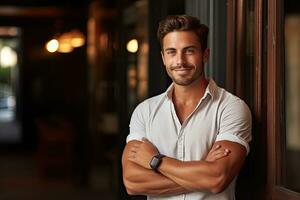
{"x": 157, "y": 98}
{"x": 227, "y": 99}
{"x": 226, "y": 96}
{"x": 151, "y": 102}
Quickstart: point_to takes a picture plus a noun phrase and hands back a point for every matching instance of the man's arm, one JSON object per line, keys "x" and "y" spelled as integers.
{"x": 213, "y": 176}
{"x": 139, "y": 180}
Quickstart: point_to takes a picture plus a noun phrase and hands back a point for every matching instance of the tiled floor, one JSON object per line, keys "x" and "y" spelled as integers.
{"x": 19, "y": 180}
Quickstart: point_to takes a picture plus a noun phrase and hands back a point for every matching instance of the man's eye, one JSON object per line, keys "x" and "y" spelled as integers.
{"x": 170, "y": 52}
{"x": 190, "y": 51}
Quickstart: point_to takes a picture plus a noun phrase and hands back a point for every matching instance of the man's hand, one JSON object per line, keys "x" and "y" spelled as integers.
{"x": 217, "y": 153}
{"x": 141, "y": 181}
{"x": 142, "y": 152}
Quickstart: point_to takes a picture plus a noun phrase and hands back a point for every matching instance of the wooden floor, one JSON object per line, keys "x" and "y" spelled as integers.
{"x": 19, "y": 179}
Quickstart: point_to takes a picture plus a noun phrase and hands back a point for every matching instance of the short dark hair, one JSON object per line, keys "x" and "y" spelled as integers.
{"x": 182, "y": 23}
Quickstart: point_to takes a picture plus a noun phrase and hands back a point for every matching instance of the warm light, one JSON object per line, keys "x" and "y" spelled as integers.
{"x": 77, "y": 42}
{"x": 8, "y": 57}
{"x": 132, "y": 46}
{"x": 65, "y": 43}
{"x": 65, "y": 47}
{"x": 52, "y": 45}
{"x": 77, "y": 38}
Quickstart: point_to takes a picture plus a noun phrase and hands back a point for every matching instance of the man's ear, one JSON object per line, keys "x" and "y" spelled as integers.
{"x": 162, "y": 57}
{"x": 206, "y": 54}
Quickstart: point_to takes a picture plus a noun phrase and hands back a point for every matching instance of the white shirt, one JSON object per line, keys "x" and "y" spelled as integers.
{"x": 219, "y": 115}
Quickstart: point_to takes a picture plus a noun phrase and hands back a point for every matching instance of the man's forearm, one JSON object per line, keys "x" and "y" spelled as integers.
{"x": 193, "y": 175}
{"x": 213, "y": 176}
{"x": 141, "y": 181}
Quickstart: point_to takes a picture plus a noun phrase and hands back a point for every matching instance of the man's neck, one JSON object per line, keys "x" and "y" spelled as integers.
{"x": 191, "y": 94}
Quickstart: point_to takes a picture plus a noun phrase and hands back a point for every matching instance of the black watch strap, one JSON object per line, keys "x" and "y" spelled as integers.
{"x": 156, "y": 161}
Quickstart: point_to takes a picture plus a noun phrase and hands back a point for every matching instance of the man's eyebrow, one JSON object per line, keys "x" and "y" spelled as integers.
{"x": 190, "y": 47}
{"x": 169, "y": 49}
{"x": 185, "y": 48}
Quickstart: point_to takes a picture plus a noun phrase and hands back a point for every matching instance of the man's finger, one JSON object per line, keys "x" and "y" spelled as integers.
{"x": 133, "y": 149}
{"x": 220, "y": 155}
{"x": 223, "y": 154}
{"x": 136, "y": 145}
{"x": 131, "y": 156}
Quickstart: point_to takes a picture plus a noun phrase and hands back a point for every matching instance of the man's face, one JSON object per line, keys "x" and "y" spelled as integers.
{"x": 183, "y": 57}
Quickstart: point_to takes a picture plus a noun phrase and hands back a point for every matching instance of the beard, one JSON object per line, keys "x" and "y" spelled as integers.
{"x": 195, "y": 72}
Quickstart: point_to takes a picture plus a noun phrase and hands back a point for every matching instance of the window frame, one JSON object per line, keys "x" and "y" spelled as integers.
{"x": 275, "y": 104}
{"x": 235, "y": 83}
{"x": 267, "y": 109}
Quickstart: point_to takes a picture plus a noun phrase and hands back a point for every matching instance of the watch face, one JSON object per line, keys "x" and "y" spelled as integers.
{"x": 154, "y": 163}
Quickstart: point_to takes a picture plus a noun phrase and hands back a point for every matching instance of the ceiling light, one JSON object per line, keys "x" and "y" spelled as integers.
{"x": 52, "y": 46}
{"x": 132, "y": 46}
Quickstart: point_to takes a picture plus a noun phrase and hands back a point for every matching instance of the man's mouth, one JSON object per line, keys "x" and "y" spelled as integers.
{"x": 182, "y": 70}
{"x": 181, "y": 67}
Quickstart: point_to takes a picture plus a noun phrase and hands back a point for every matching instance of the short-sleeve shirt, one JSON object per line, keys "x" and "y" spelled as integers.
{"x": 219, "y": 115}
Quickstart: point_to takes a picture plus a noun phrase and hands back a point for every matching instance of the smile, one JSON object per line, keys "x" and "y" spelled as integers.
{"x": 183, "y": 71}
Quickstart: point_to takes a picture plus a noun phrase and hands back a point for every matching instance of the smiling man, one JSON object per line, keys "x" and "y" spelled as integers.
{"x": 191, "y": 141}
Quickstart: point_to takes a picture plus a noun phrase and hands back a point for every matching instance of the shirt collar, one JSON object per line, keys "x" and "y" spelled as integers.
{"x": 210, "y": 90}
{"x": 169, "y": 91}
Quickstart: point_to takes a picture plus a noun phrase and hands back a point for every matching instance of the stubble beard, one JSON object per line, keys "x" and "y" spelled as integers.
{"x": 186, "y": 81}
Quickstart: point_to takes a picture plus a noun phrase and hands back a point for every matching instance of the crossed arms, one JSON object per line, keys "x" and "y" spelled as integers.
{"x": 213, "y": 174}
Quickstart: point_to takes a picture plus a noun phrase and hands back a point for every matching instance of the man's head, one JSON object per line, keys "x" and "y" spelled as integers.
{"x": 184, "y": 48}
{"x": 183, "y": 23}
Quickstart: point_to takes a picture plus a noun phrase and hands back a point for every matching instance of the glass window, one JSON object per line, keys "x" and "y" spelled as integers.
{"x": 292, "y": 95}
{"x": 9, "y": 47}
{"x": 8, "y": 66}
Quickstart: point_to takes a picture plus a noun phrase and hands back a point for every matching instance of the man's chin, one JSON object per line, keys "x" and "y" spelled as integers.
{"x": 183, "y": 82}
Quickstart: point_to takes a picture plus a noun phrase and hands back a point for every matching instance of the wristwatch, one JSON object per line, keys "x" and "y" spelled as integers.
{"x": 155, "y": 161}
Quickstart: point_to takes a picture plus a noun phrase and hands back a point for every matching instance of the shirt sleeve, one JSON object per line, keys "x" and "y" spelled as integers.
{"x": 137, "y": 126}
{"x": 236, "y": 124}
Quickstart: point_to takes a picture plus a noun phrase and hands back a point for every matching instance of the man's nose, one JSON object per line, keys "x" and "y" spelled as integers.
{"x": 180, "y": 59}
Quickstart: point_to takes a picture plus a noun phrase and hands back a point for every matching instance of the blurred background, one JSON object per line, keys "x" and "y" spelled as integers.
{"x": 72, "y": 71}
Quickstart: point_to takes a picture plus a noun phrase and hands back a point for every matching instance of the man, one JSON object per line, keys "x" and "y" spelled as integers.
{"x": 178, "y": 142}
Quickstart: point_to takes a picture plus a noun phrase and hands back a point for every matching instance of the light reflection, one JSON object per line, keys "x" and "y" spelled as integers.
{"x": 8, "y": 57}
{"x": 11, "y": 102}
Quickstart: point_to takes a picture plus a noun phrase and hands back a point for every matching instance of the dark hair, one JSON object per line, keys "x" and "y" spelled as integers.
{"x": 182, "y": 23}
